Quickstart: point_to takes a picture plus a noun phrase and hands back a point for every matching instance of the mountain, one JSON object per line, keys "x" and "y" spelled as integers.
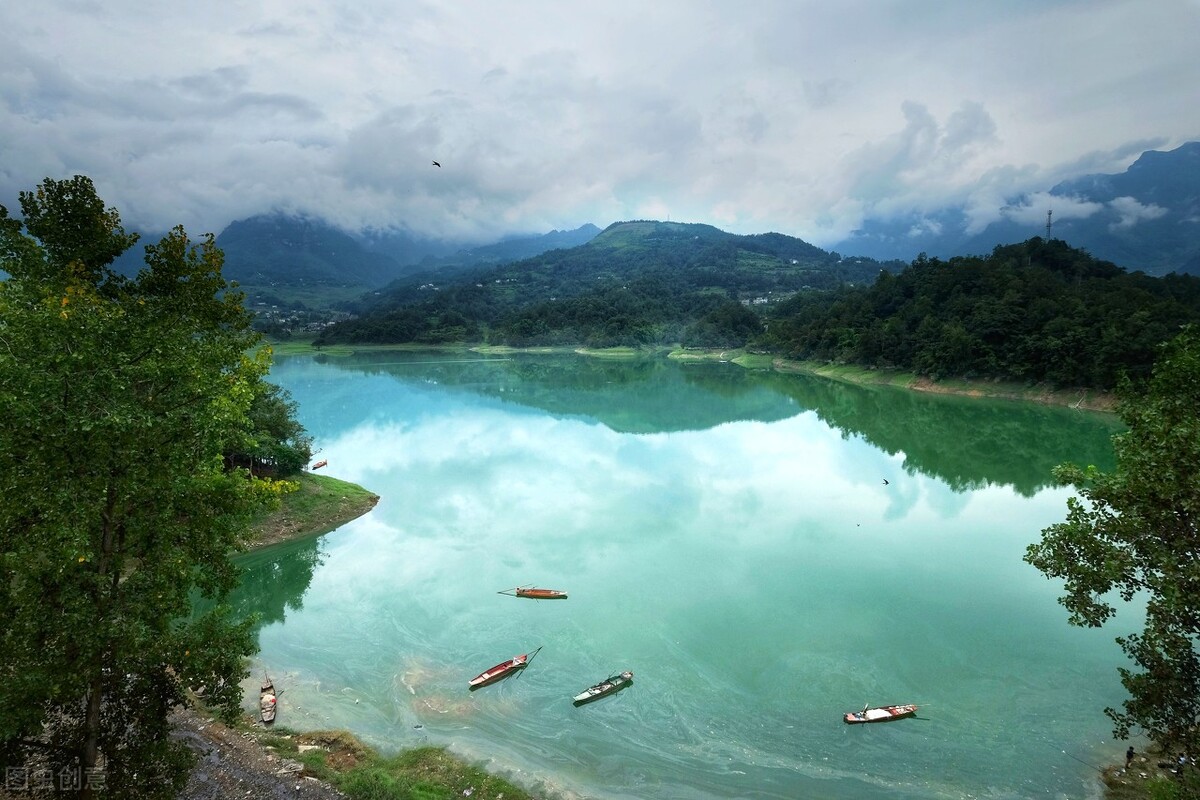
{"x": 1151, "y": 215}
{"x": 689, "y": 255}
{"x": 1146, "y": 218}
{"x": 635, "y": 282}
{"x": 305, "y": 260}
{"x": 275, "y": 249}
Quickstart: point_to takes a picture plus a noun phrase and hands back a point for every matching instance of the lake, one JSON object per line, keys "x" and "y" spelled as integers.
{"x": 765, "y": 552}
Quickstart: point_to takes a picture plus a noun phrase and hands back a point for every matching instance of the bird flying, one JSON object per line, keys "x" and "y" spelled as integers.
{"x": 436, "y": 164}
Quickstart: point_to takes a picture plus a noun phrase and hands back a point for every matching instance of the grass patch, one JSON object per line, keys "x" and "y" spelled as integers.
{"x": 754, "y": 361}
{"x": 339, "y": 758}
{"x": 506, "y": 350}
{"x": 611, "y": 352}
{"x": 291, "y": 347}
{"x": 704, "y": 354}
{"x": 320, "y": 504}
{"x": 427, "y": 772}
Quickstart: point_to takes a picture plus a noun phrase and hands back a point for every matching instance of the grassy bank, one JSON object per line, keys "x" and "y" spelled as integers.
{"x": 338, "y": 758}
{"x": 425, "y": 772}
{"x": 1153, "y": 775}
{"x": 318, "y": 506}
{"x": 850, "y": 373}
{"x": 1035, "y": 393}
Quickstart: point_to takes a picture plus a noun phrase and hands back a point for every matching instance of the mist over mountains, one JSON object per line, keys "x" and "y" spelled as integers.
{"x": 1146, "y": 218}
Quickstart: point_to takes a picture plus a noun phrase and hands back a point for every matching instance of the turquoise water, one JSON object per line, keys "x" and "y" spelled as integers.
{"x": 726, "y": 535}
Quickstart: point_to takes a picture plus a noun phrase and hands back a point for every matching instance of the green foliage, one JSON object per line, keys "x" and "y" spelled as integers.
{"x": 1135, "y": 532}
{"x": 74, "y": 227}
{"x": 119, "y": 398}
{"x": 276, "y": 443}
{"x": 426, "y": 773}
{"x": 1037, "y": 312}
{"x": 729, "y": 325}
{"x": 636, "y": 283}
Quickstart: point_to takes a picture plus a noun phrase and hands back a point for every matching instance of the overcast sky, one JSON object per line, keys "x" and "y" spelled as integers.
{"x": 752, "y": 115}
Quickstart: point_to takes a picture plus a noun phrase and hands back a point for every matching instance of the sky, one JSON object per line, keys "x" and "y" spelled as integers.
{"x": 800, "y": 117}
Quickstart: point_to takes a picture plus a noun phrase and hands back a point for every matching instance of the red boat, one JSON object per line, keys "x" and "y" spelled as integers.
{"x": 501, "y": 670}
{"x": 320, "y": 464}
{"x": 540, "y": 594}
{"x": 879, "y": 714}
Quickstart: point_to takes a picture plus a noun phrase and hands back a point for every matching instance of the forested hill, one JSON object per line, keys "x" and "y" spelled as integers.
{"x": 1039, "y": 311}
{"x": 635, "y": 283}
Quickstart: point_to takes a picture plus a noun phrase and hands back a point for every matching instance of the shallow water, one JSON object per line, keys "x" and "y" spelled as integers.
{"x": 725, "y": 534}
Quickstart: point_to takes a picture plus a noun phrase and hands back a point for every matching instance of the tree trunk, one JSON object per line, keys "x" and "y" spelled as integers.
{"x": 91, "y": 750}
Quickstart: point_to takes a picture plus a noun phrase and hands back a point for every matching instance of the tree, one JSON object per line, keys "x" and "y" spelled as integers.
{"x": 119, "y": 397}
{"x": 277, "y": 444}
{"x": 1135, "y": 532}
{"x": 729, "y": 325}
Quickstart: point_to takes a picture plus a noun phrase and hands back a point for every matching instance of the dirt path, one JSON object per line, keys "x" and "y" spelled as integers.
{"x": 232, "y": 765}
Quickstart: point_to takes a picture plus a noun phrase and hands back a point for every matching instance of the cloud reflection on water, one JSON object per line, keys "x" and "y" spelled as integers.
{"x": 747, "y": 570}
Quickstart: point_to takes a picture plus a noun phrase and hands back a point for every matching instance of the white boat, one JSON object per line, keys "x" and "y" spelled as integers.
{"x": 604, "y": 688}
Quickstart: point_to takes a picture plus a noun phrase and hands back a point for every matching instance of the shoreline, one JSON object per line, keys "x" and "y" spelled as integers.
{"x": 320, "y": 505}
{"x": 1079, "y": 398}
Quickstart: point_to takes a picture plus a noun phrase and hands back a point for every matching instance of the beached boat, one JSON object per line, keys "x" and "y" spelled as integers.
{"x": 879, "y": 714}
{"x": 608, "y": 686}
{"x": 502, "y": 670}
{"x": 268, "y": 700}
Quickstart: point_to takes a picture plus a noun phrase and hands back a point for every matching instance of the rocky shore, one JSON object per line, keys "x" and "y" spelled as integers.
{"x": 235, "y": 765}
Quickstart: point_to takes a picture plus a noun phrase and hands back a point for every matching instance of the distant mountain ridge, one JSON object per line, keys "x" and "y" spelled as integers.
{"x": 641, "y": 281}
{"x": 1146, "y": 218}
{"x": 694, "y": 253}
{"x": 273, "y": 249}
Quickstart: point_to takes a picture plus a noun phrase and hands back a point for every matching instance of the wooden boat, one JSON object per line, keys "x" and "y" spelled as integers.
{"x": 268, "y": 700}
{"x": 608, "y": 686}
{"x": 540, "y": 594}
{"x": 879, "y": 714}
{"x": 320, "y": 464}
{"x": 502, "y": 670}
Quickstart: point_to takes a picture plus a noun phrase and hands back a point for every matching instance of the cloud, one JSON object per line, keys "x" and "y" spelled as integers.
{"x": 925, "y": 227}
{"x": 1131, "y": 212}
{"x": 920, "y": 167}
{"x": 1032, "y": 208}
{"x": 801, "y": 117}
